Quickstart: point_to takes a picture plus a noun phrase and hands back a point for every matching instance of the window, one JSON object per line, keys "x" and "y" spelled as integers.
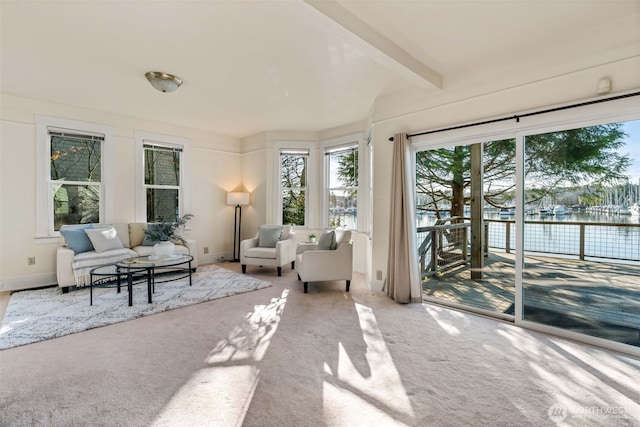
{"x": 293, "y": 185}
{"x": 342, "y": 186}
{"x": 162, "y": 181}
{"x": 73, "y": 174}
{"x": 75, "y": 177}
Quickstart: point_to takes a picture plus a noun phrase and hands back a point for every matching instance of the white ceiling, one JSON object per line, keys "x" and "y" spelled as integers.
{"x": 253, "y": 66}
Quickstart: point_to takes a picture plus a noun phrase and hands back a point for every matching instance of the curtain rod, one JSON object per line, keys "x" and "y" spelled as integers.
{"x": 517, "y": 117}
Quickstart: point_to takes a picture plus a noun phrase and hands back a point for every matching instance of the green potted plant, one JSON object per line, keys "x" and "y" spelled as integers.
{"x": 312, "y": 238}
{"x": 162, "y": 233}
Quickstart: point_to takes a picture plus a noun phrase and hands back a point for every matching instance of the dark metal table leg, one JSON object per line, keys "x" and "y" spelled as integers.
{"x": 130, "y": 286}
{"x": 149, "y": 283}
{"x": 189, "y": 273}
{"x": 91, "y": 289}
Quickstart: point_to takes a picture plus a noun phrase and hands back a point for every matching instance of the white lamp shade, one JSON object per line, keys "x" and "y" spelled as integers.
{"x": 237, "y": 198}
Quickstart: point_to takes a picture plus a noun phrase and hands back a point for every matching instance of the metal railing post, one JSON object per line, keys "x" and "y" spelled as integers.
{"x": 582, "y": 229}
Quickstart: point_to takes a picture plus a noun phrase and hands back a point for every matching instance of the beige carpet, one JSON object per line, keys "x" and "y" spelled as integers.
{"x": 279, "y": 357}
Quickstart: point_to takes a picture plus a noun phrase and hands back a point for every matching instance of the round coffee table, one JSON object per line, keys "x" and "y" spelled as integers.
{"x": 148, "y": 265}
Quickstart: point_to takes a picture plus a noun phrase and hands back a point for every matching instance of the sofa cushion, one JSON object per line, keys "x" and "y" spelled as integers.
{"x": 123, "y": 233}
{"x": 327, "y": 241}
{"x": 104, "y": 239}
{"x": 269, "y": 235}
{"x": 136, "y": 233}
{"x": 263, "y": 253}
{"x": 76, "y": 239}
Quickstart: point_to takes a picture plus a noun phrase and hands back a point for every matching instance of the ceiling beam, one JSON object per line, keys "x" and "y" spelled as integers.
{"x": 379, "y": 47}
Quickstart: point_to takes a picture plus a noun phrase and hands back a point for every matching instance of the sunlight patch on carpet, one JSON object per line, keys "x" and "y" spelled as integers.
{"x": 231, "y": 376}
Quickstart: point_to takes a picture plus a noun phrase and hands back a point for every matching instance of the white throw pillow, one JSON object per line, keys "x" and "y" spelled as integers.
{"x": 104, "y": 239}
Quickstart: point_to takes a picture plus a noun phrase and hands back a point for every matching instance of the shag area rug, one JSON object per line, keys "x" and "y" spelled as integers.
{"x": 42, "y": 314}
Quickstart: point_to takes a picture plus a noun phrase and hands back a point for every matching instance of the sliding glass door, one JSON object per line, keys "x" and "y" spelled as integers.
{"x": 465, "y": 216}
{"x": 581, "y": 230}
{"x": 542, "y": 228}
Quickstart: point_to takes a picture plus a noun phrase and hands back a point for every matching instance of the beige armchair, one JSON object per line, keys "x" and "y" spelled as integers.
{"x": 329, "y": 259}
{"x": 273, "y": 246}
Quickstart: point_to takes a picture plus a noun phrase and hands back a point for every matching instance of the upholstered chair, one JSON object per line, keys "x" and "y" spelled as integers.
{"x": 331, "y": 258}
{"x": 273, "y": 246}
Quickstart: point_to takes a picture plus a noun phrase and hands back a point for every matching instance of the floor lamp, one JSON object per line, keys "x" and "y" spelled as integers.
{"x": 237, "y": 199}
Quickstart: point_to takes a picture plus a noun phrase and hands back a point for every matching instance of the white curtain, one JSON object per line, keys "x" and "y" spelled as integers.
{"x": 402, "y": 284}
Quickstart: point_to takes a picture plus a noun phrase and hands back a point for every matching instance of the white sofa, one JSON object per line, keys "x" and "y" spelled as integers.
{"x": 72, "y": 269}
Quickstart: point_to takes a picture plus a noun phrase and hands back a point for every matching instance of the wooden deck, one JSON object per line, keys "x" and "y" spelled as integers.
{"x": 594, "y": 298}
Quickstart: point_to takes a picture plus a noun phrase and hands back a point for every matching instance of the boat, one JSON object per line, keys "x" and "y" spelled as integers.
{"x": 623, "y": 210}
{"x": 545, "y": 211}
{"x": 558, "y": 210}
{"x": 508, "y": 211}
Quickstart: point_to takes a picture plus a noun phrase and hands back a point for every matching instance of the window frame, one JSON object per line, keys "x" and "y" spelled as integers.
{"x": 44, "y": 195}
{"x": 310, "y": 147}
{"x": 364, "y": 180}
{"x": 184, "y": 194}
{"x": 298, "y": 153}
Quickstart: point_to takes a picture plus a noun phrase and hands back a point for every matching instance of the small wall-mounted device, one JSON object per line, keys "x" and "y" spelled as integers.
{"x": 604, "y": 85}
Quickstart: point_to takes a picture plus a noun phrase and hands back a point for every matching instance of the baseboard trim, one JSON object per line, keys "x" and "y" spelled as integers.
{"x": 28, "y": 282}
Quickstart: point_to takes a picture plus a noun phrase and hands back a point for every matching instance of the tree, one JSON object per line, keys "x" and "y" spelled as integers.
{"x": 293, "y": 181}
{"x": 569, "y": 157}
{"x": 75, "y": 172}
{"x": 348, "y": 168}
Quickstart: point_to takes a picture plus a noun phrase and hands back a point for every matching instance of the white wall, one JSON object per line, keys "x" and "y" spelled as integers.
{"x": 455, "y": 109}
{"x": 216, "y": 167}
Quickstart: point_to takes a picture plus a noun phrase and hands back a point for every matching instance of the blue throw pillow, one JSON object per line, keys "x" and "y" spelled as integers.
{"x": 269, "y": 236}
{"x": 76, "y": 239}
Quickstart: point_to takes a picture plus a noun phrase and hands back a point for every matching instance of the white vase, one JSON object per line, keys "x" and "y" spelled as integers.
{"x": 163, "y": 248}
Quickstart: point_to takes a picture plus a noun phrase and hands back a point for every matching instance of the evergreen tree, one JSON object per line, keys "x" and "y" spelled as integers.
{"x": 569, "y": 157}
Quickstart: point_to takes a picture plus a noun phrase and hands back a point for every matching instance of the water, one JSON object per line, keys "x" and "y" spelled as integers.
{"x": 604, "y": 240}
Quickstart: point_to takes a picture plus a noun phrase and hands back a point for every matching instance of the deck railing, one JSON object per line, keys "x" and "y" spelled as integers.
{"x": 446, "y": 245}
{"x": 570, "y": 238}
{"x": 443, "y": 246}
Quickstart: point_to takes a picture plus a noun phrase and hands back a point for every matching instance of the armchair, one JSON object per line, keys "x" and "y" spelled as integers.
{"x": 273, "y": 246}
{"x": 329, "y": 259}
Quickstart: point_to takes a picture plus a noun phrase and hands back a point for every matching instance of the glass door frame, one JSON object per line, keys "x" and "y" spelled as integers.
{"x": 621, "y": 110}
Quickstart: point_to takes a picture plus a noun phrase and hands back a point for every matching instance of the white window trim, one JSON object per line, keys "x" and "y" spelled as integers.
{"x": 185, "y": 177}
{"x": 44, "y": 200}
{"x": 364, "y": 154}
{"x": 312, "y": 175}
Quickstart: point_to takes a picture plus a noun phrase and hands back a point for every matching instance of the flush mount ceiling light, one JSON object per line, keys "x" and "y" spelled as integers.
{"x": 162, "y": 81}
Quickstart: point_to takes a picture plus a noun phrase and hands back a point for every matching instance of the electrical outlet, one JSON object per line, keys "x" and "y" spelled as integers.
{"x": 31, "y": 260}
{"x": 206, "y": 249}
{"x": 378, "y": 274}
